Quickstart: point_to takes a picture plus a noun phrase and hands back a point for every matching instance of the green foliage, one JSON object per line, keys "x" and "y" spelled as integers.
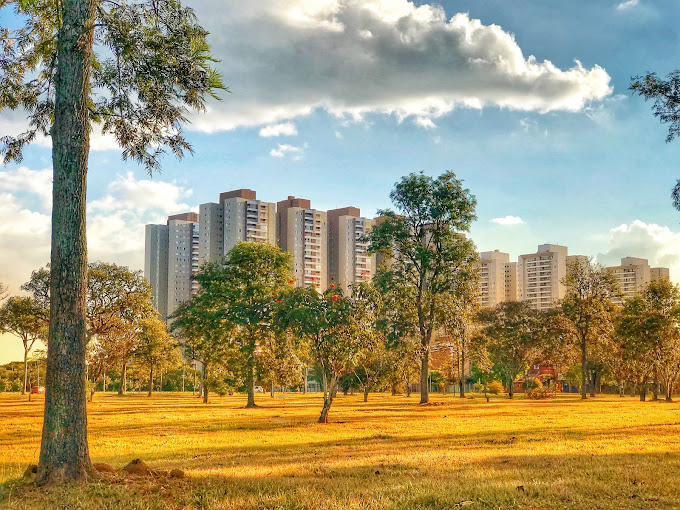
{"x": 532, "y": 383}
{"x": 426, "y": 256}
{"x": 152, "y": 66}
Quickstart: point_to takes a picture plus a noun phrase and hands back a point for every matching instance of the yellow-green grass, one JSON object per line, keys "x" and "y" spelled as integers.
{"x": 607, "y": 452}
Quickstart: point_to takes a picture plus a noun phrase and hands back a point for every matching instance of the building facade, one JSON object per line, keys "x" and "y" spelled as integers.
{"x": 349, "y": 262}
{"x": 540, "y": 276}
{"x": 492, "y": 278}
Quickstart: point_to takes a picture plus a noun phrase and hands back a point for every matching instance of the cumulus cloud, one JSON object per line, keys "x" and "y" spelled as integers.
{"x": 508, "y": 220}
{"x": 115, "y": 221}
{"x": 38, "y": 182}
{"x": 283, "y": 129}
{"x": 351, "y": 57}
{"x": 628, "y": 4}
{"x": 659, "y": 244}
{"x": 283, "y": 150}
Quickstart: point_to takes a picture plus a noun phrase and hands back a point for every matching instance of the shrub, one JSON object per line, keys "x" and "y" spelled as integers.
{"x": 496, "y": 388}
{"x": 532, "y": 383}
{"x": 541, "y": 393}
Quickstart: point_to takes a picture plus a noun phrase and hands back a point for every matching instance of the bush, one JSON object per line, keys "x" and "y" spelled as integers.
{"x": 532, "y": 383}
{"x": 541, "y": 393}
{"x": 496, "y": 388}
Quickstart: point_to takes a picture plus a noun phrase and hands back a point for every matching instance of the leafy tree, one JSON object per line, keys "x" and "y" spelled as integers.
{"x": 240, "y": 291}
{"x": 156, "y": 348}
{"x": 665, "y": 95}
{"x": 135, "y": 69}
{"x": 21, "y": 317}
{"x": 509, "y": 337}
{"x": 587, "y": 310}
{"x": 279, "y": 360}
{"x": 427, "y": 253}
{"x": 205, "y": 338}
{"x": 458, "y": 318}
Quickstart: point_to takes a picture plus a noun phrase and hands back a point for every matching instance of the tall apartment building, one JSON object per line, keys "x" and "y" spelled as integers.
{"x": 633, "y": 275}
{"x": 511, "y": 282}
{"x": 211, "y": 227}
{"x": 303, "y": 232}
{"x": 492, "y": 269}
{"x": 156, "y": 244}
{"x": 540, "y": 275}
{"x": 183, "y": 262}
{"x": 349, "y": 262}
{"x": 247, "y": 219}
{"x": 658, "y": 273}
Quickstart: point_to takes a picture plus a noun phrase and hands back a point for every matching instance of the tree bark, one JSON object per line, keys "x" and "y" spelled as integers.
{"x": 643, "y": 392}
{"x": 593, "y": 382}
{"x": 23, "y": 391}
{"x": 64, "y": 452}
{"x": 272, "y": 394}
{"x": 511, "y": 389}
{"x": 204, "y": 383}
{"x": 328, "y": 395}
{"x": 366, "y": 390}
{"x": 304, "y": 388}
{"x": 584, "y": 385}
{"x": 123, "y": 380}
{"x": 150, "y": 381}
{"x": 424, "y": 374}
{"x": 249, "y": 385}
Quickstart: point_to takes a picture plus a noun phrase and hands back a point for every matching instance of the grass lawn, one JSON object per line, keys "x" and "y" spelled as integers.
{"x": 606, "y": 453}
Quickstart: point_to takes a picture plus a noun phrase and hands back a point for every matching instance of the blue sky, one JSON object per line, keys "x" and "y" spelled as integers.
{"x": 362, "y": 93}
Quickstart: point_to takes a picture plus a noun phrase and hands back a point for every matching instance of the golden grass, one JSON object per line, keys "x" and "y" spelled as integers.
{"x": 607, "y": 453}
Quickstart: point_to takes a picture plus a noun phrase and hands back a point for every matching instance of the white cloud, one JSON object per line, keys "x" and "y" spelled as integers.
{"x": 628, "y": 4}
{"x": 283, "y": 129}
{"x": 508, "y": 220}
{"x": 115, "y": 222}
{"x": 283, "y": 60}
{"x": 425, "y": 123}
{"x": 22, "y": 179}
{"x": 338, "y": 134}
{"x": 659, "y": 244}
{"x": 283, "y": 149}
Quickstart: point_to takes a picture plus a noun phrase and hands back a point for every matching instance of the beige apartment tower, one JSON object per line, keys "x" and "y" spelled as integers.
{"x": 247, "y": 219}
{"x": 511, "y": 285}
{"x": 540, "y": 276}
{"x": 156, "y": 265}
{"x": 492, "y": 277}
{"x": 349, "y": 262}
{"x": 183, "y": 248}
{"x": 303, "y": 232}
{"x": 633, "y": 275}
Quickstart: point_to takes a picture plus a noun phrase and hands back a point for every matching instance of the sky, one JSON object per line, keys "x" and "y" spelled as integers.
{"x": 335, "y": 100}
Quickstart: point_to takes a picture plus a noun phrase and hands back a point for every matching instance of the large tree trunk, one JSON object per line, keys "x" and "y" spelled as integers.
{"x": 150, "y": 380}
{"x": 622, "y": 389}
{"x": 23, "y": 391}
{"x": 366, "y": 390}
{"x": 584, "y": 385}
{"x": 328, "y": 395}
{"x": 424, "y": 375}
{"x": 272, "y": 392}
{"x": 511, "y": 388}
{"x": 304, "y": 388}
{"x": 123, "y": 380}
{"x": 204, "y": 384}
{"x": 64, "y": 453}
{"x": 250, "y": 381}
{"x": 643, "y": 392}
{"x": 593, "y": 382}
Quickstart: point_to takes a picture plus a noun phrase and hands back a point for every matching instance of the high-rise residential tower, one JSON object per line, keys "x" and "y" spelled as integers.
{"x": 247, "y": 219}
{"x": 183, "y": 263}
{"x": 303, "y": 232}
{"x": 492, "y": 277}
{"x": 156, "y": 245}
{"x": 540, "y": 276}
{"x": 348, "y": 260}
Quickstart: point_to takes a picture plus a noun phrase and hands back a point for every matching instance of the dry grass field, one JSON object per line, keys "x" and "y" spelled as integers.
{"x": 389, "y": 453}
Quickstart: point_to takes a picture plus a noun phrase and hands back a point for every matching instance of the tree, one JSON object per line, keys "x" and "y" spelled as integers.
{"x": 508, "y": 337}
{"x": 666, "y": 107}
{"x": 156, "y": 348}
{"x": 279, "y": 360}
{"x": 21, "y": 317}
{"x": 240, "y": 291}
{"x": 205, "y": 338}
{"x": 427, "y": 251}
{"x": 151, "y": 66}
{"x": 587, "y": 310}
{"x": 458, "y": 318}
{"x": 651, "y": 328}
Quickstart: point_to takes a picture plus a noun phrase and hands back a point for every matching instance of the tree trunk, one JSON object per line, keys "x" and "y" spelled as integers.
{"x": 123, "y": 380}
{"x": 643, "y": 392}
{"x": 461, "y": 393}
{"x": 64, "y": 452}
{"x": 23, "y": 391}
{"x": 150, "y": 380}
{"x": 366, "y": 390}
{"x": 272, "y": 394}
{"x": 204, "y": 384}
{"x": 593, "y": 382}
{"x": 584, "y": 386}
{"x": 655, "y": 391}
{"x": 424, "y": 374}
{"x": 304, "y": 388}
{"x": 250, "y": 385}
{"x": 622, "y": 389}
{"x": 328, "y": 395}
{"x": 511, "y": 389}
